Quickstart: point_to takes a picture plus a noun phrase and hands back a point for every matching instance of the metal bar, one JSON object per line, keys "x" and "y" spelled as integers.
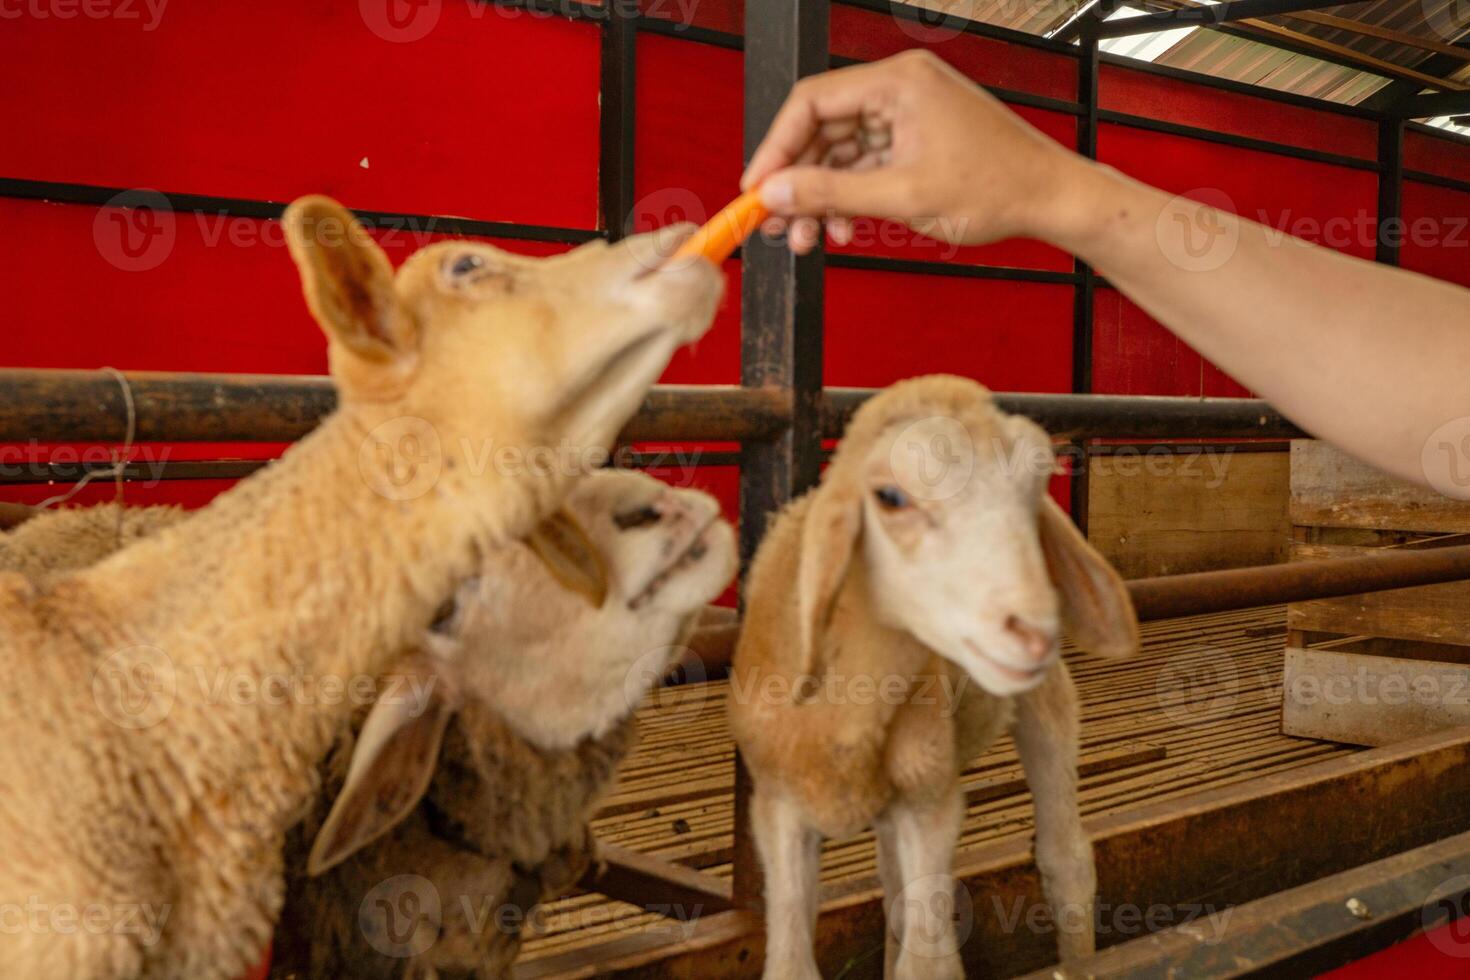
{"x": 417, "y": 225}
{"x": 880, "y": 263}
{"x": 618, "y": 91}
{"x": 1240, "y": 88}
{"x": 1072, "y": 417}
{"x": 1207, "y": 16}
{"x": 1232, "y": 139}
{"x": 1435, "y": 180}
{"x": 1305, "y": 931}
{"x": 1243, "y": 842}
{"x": 1088, "y": 68}
{"x": 656, "y": 885}
{"x": 1390, "y": 190}
{"x": 88, "y": 406}
{"x": 1434, "y": 104}
{"x": 1197, "y": 593}
{"x": 1170, "y": 596}
{"x": 780, "y": 329}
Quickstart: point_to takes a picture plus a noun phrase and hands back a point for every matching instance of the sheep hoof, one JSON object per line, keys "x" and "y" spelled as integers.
{"x": 917, "y": 967}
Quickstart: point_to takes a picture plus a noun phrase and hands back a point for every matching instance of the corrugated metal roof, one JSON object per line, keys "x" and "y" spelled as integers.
{"x": 1228, "y": 56}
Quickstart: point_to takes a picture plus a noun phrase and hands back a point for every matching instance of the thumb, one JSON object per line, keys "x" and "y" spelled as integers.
{"x": 814, "y": 191}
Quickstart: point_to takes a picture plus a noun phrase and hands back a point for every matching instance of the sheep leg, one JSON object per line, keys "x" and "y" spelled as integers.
{"x": 1046, "y": 732}
{"x": 791, "y": 855}
{"x": 925, "y": 834}
{"x": 891, "y": 877}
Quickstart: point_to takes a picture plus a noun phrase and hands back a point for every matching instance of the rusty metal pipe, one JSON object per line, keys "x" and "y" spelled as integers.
{"x": 1168, "y": 596}
{"x": 88, "y": 406}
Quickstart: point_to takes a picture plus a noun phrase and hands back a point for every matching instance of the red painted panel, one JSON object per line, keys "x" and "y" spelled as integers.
{"x": 1158, "y": 97}
{"x": 491, "y": 114}
{"x": 884, "y": 326}
{"x": 215, "y": 294}
{"x": 869, "y": 36}
{"x": 712, "y": 15}
{"x": 1134, "y": 355}
{"x": 1436, "y": 232}
{"x": 1440, "y": 155}
{"x": 690, "y": 113}
{"x": 1327, "y": 204}
{"x": 1440, "y": 954}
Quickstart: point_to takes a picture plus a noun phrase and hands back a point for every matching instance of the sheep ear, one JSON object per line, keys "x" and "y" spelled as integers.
{"x": 828, "y": 538}
{"x": 1098, "y": 611}
{"x": 570, "y": 556}
{"x": 347, "y": 279}
{"x": 392, "y": 765}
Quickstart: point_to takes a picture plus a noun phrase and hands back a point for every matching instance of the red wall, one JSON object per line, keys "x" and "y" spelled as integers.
{"x": 478, "y": 111}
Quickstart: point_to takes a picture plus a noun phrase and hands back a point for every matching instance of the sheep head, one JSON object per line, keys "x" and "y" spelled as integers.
{"x": 943, "y": 497}
{"x": 475, "y": 344}
{"x": 562, "y": 647}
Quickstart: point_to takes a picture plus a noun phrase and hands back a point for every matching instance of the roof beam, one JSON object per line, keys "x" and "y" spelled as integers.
{"x": 1207, "y": 16}
{"x": 1435, "y": 104}
{"x": 1286, "y": 39}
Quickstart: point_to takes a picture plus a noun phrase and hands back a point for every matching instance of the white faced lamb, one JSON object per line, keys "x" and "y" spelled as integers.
{"x": 930, "y": 550}
{"x": 534, "y": 679}
{"x": 165, "y": 767}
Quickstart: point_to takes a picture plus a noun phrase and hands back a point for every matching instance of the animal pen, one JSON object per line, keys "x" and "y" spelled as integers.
{"x": 1194, "y": 798}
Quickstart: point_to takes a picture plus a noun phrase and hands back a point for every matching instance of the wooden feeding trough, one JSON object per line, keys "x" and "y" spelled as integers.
{"x": 1379, "y": 667}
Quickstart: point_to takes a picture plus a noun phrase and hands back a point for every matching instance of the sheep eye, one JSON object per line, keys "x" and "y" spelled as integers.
{"x": 465, "y": 264}
{"x": 891, "y": 498}
{"x": 638, "y": 517}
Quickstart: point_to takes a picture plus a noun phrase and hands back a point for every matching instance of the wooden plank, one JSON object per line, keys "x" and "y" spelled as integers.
{"x": 661, "y": 886}
{"x": 1331, "y": 489}
{"x": 1361, "y": 699}
{"x": 1304, "y": 931}
{"x": 1432, "y": 613}
{"x": 1212, "y": 850}
{"x": 1153, "y": 512}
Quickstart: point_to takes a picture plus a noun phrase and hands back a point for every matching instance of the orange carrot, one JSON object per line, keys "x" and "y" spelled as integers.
{"x": 723, "y": 233}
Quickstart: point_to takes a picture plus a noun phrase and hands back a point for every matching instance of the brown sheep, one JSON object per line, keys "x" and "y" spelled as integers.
{"x": 150, "y": 683}
{"x": 927, "y": 567}
{"x": 540, "y": 684}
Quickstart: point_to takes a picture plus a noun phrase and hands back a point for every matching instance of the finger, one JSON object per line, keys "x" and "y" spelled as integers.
{"x": 819, "y": 99}
{"x": 802, "y": 238}
{"x": 884, "y": 192}
{"x": 840, "y": 230}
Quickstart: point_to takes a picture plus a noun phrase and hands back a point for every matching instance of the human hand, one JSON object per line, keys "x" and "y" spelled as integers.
{"x": 912, "y": 139}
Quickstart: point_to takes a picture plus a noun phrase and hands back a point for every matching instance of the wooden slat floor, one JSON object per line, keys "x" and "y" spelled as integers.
{"x": 1198, "y": 710}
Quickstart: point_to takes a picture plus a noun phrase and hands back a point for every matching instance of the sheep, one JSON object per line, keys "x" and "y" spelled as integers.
{"x": 541, "y": 681}
{"x": 177, "y": 696}
{"x": 52, "y": 542}
{"x": 917, "y": 569}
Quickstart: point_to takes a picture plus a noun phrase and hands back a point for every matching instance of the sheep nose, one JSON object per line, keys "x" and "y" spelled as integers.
{"x": 1036, "y": 642}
